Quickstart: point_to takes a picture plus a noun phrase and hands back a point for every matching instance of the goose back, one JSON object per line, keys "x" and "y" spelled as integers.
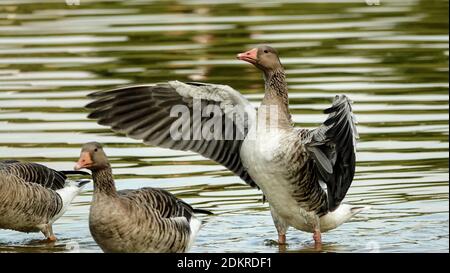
{"x": 34, "y": 173}
{"x": 160, "y": 200}
{"x": 26, "y": 206}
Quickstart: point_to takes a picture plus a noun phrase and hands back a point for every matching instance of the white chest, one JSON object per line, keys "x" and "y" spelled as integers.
{"x": 263, "y": 157}
{"x": 265, "y": 160}
{"x": 261, "y": 148}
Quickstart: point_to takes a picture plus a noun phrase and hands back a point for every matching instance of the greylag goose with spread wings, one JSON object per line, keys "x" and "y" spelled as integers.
{"x": 304, "y": 174}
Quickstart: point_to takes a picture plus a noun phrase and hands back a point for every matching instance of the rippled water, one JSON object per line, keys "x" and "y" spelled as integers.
{"x": 391, "y": 59}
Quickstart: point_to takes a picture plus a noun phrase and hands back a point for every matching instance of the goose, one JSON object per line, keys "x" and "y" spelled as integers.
{"x": 142, "y": 220}
{"x": 33, "y": 196}
{"x": 304, "y": 174}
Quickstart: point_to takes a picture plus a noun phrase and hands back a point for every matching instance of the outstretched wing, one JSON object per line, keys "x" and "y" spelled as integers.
{"x": 151, "y": 113}
{"x": 333, "y": 147}
{"x": 34, "y": 173}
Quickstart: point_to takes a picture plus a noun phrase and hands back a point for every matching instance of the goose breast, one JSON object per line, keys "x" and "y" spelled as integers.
{"x": 275, "y": 159}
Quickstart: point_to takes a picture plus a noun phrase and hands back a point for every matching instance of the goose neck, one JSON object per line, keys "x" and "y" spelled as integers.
{"x": 104, "y": 181}
{"x": 276, "y": 94}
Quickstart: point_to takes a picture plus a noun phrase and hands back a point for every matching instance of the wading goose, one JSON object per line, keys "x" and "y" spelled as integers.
{"x": 303, "y": 174}
{"x": 142, "y": 220}
{"x": 33, "y": 196}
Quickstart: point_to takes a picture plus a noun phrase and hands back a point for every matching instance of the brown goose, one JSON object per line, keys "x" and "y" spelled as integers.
{"x": 143, "y": 220}
{"x": 292, "y": 166}
{"x": 33, "y": 196}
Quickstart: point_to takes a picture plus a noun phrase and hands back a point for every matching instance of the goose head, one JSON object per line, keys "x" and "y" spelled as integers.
{"x": 264, "y": 57}
{"x": 92, "y": 157}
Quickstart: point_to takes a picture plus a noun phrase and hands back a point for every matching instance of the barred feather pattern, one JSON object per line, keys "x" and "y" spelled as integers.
{"x": 300, "y": 172}
{"x": 143, "y": 112}
{"x": 333, "y": 148}
{"x": 25, "y": 206}
{"x": 34, "y": 173}
{"x": 276, "y": 93}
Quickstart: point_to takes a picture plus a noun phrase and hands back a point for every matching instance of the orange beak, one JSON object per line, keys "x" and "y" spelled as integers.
{"x": 250, "y": 56}
{"x": 85, "y": 161}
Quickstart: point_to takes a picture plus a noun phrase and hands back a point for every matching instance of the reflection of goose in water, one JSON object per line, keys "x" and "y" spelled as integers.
{"x": 33, "y": 197}
{"x": 142, "y": 220}
{"x": 288, "y": 164}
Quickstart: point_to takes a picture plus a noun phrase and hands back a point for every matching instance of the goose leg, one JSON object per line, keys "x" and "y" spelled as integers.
{"x": 281, "y": 227}
{"x": 47, "y": 230}
{"x": 317, "y": 234}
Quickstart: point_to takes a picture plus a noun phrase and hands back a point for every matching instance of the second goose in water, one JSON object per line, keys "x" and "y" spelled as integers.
{"x": 142, "y": 220}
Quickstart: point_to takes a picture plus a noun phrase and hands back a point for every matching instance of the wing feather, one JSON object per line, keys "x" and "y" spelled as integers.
{"x": 143, "y": 112}
{"x": 333, "y": 148}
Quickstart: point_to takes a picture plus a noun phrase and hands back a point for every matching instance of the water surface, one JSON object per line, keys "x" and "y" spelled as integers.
{"x": 391, "y": 60}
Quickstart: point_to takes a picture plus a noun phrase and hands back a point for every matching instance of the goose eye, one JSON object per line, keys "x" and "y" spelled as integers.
{"x": 266, "y": 51}
{"x": 95, "y": 150}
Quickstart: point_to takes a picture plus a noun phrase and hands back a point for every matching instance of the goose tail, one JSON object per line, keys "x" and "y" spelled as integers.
{"x": 75, "y": 172}
{"x": 202, "y": 211}
{"x": 81, "y": 182}
{"x": 357, "y": 209}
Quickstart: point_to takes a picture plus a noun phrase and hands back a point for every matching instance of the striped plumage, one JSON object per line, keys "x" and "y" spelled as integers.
{"x": 304, "y": 174}
{"x": 142, "y": 220}
{"x": 33, "y": 197}
{"x": 300, "y": 172}
{"x": 35, "y": 173}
